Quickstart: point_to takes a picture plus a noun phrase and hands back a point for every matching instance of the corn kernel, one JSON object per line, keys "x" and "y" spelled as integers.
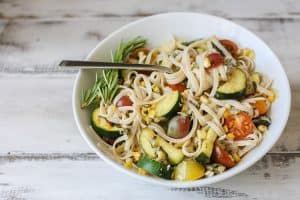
{"x": 225, "y": 128}
{"x": 226, "y": 113}
{"x": 271, "y": 98}
{"x": 136, "y": 156}
{"x": 184, "y": 108}
{"x": 230, "y": 136}
{"x": 142, "y": 171}
{"x": 155, "y": 88}
{"x": 236, "y": 158}
{"x": 206, "y": 63}
{"x": 262, "y": 128}
{"x": 143, "y": 84}
{"x": 204, "y": 99}
{"x": 249, "y": 53}
{"x": 128, "y": 163}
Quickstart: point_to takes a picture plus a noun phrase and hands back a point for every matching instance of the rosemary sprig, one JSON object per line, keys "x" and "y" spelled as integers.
{"x": 106, "y": 87}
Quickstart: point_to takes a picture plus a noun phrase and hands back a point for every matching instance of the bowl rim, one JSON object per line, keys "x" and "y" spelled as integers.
{"x": 172, "y": 183}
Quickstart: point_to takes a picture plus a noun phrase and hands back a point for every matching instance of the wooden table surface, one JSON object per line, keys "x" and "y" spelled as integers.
{"x": 42, "y": 155}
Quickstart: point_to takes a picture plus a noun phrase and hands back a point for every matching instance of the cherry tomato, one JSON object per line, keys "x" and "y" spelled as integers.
{"x": 124, "y": 101}
{"x": 240, "y": 125}
{"x": 230, "y": 46}
{"x": 221, "y": 156}
{"x": 179, "y": 127}
{"x": 215, "y": 60}
{"x": 177, "y": 87}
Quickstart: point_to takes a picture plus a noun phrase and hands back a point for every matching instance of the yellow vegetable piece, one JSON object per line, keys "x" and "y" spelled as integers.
{"x": 188, "y": 170}
{"x": 231, "y": 136}
{"x": 142, "y": 171}
{"x": 128, "y": 163}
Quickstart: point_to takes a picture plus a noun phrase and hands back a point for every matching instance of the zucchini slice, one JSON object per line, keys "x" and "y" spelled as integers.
{"x": 155, "y": 168}
{"x": 145, "y": 140}
{"x": 263, "y": 120}
{"x": 235, "y": 87}
{"x": 102, "y": 127}
{"x": 168, "y": 106}
{"x": 148, "y": 138}
{"x": 175, "y": 155}
{"x": 256, "y": 77}
{"x": 203, "y": 156}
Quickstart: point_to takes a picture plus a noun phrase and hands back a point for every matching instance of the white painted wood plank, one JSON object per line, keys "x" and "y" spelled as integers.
{"x": 36, "y": 116}
{"x": 87, "y": 177}
{"x": 37, "y": 45}
{"x": 93, "y": 8}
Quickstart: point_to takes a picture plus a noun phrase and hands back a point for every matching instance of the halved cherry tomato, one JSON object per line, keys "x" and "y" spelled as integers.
{"x": 179, "y": 127}
{"x": 230, "y": 46}
{"x": 221, "y": 156}
{"x": 240, "y": 125}
{"x": 124, "y": 101}
{"x": 177, "y": 87}
{"x": 215, "y": 60}
{"x": 261, "y": 106}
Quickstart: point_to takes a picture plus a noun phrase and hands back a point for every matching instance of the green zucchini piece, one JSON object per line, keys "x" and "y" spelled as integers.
{"x": 263, "y": 120}
{"x": 175, "y": 155}
{"x": 102, "y": 127}
{"x": 203, "y": 156}
{"x": 235, "y": 87}
{"x": 168, "y": 106}
{"x": 146, "y": 137}
{"x": 155, "y": 168}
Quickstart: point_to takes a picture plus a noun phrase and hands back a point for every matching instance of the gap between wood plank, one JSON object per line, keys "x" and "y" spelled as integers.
{"x": 15, "y": 156}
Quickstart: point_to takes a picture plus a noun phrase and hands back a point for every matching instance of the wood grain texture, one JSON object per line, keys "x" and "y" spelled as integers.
{"x": 36, "y": 116}
{"x": 42, "y": 155}
{"x": 83, "y": 176}
{"x": 17, "y": 9}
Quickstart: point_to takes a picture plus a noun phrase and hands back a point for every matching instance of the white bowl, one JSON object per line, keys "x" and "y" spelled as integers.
{"x": 158, "y": 29}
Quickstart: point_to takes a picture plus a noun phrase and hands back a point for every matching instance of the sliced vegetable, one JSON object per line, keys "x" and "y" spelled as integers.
{"x": 155, "y": 168}
{"x": 240, "y": 125}
{"x": 251, "y": 87}
{"x": 177, "y": 87}
{"x": 168, "y": 106}
{"x": 221, "y": 156}
{"x": 215, "y": 59}
{"x": 230, "y": 46}
{"x": 175, "y": 155}
{"x": 149, "y": 141}
{"x": 203, "y": 156}
{"x": 235, "y": 87}
{"x": 179, "y": 127}
{"x": 103, "y": 127}
{"x": 146, "y": 141}
{"x": 261, "y": 106}
{"x": 263, "y": 120}
{"x": 188, "y": 170}
{"x": 124, "y": 101}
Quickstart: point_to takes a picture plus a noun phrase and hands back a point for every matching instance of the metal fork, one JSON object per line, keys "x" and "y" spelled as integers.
{"x": 109, "y": 65}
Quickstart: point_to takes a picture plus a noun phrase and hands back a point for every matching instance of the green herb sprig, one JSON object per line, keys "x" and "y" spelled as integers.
{"x": 106, "y": 87}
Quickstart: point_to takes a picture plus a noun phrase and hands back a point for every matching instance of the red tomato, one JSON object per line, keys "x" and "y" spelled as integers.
{"x": 179, "y": 127}
{"x": 221, "y": 156}
{"x": 177, "y": 87}
{"x": 215, "y": 60}
{"x": 240, "y": 125}
{"x": 184, "y": 125}
{"x": 124, "y": 101}
{"x": 230, "y": 46}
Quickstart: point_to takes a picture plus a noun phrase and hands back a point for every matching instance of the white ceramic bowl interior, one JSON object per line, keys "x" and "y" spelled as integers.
{"x": 158, "y": 30}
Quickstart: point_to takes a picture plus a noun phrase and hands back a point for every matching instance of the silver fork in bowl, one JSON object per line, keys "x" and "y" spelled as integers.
{"x": 110, "y": 65}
